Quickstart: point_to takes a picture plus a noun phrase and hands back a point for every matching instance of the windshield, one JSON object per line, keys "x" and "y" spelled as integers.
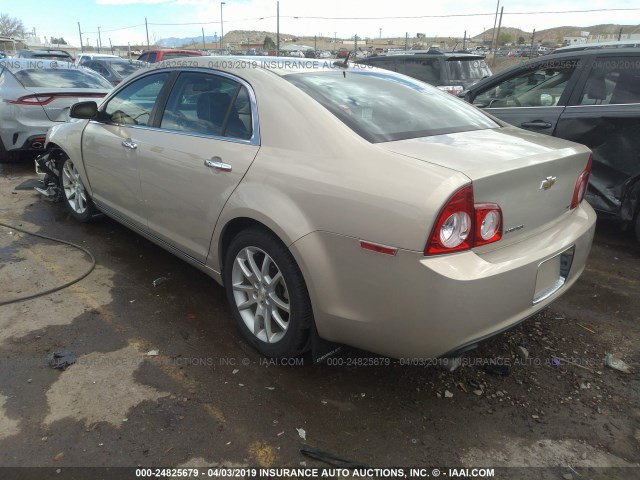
{"x": 61, "y": 78}
{"x": 383, "y": 107}
{"x": 467, "y": 69}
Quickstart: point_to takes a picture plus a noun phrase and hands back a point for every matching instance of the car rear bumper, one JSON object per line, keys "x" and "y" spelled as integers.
{"x": 412, "y": 306}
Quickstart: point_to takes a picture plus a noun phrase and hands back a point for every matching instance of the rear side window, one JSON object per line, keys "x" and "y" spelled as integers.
{"x": 208, "y": 104}
{"x": 425, "y": 69}
{"x": 383, "y": 107}
{"x": 61, "y": 78}
{"x": 613, "y": 81}
{"x": 467, "y": 69}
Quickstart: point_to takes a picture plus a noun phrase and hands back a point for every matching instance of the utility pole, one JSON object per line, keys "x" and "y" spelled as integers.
{"x": 99, "y": 40}
{"x": 277, "y": 29}
{"x": 533, "y": 37}
{"x": 355, "y": 45}
{"x": 221, "y": 24}
{"x": 111, "y": 45}
{"x": 380, "y": 33}
{"x": 203, "y": 47}
{"x": 146, "y": 26}
{"x": 620, "y": 34}
{"x": 499, "y": 25}
{"x": 493, "y": 33}
{"x": 464, "y": 41}
{"x": 80, "y": 33}
{"x": 315, "y": 43}
{"x": 406, "y": 41}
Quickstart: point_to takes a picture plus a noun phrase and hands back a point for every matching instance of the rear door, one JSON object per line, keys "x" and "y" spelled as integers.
{"x": 534, "y": 96}
{"x": 604, "y": 114}
{"x": 207, "y": 138}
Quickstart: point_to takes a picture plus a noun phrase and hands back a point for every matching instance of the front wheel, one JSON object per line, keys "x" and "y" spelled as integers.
{"x": 74, "y": 194}
{"x": 267, "y": 294}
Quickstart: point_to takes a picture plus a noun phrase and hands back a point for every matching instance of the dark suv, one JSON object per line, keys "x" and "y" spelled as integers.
{"x": 449, "y": 71}
{"x": 46, "y": 54}
{"x": 590, "y": 97}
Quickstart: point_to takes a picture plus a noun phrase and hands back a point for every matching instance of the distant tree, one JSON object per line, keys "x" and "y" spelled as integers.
{"x": 269, "y": 44}
{"x": 10, "y": 26}
{"x": 57, "y": 41}
{"x": 520, "y": 40}
{"x": 505, "y": 38}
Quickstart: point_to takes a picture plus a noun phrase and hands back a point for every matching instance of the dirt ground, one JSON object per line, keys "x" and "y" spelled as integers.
{"x": 208, "y": 399}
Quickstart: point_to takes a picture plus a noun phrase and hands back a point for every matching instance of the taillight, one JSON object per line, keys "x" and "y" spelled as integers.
{"x": 46, "y": 98}
{"x": 452, "y": 89}
{"x": 33, "y": 100}
{"x": 581, "y": 184}
{"x": 462, "y": 225}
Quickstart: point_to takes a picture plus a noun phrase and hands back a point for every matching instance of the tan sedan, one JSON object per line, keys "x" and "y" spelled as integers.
{"x": 352, "y": 204}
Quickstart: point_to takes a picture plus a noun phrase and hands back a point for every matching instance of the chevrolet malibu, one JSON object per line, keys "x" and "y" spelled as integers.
{"x": 351, "y": 205}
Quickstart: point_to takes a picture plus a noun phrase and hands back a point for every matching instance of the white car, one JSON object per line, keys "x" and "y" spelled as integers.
{"x": 37, "y": 94}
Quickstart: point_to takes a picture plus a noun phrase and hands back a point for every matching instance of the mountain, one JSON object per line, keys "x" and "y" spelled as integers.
{"x": 555, "y": 35}
{"x": 173, "y": 42}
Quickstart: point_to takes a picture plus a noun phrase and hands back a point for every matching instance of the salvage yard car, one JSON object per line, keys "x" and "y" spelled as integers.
{"x": 354, "y": 205}
{"x": 589, "y": 96}
{"x": 35, "y": 95}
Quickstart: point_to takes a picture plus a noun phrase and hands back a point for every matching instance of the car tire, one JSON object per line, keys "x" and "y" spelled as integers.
{"x": 6, "y": 156}
{"x": 267, "y": 294}
{"x": 74, "y": 194}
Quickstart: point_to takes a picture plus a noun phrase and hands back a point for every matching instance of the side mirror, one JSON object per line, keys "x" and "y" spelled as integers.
{"x": 84, "y": 110}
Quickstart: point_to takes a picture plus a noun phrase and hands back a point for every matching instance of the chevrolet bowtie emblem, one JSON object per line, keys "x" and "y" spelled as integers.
{"x": 547, "y": 183}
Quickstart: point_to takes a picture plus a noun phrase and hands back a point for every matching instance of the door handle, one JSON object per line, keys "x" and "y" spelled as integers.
{"x": 218, "y": 164}
{"x": 128, "y": 143}
{"x": 536, "y": 124}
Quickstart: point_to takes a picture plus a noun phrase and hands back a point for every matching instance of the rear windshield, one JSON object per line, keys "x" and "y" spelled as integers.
{"x": 125, "y": 68}
{"x": 60, "y": 78}
{"x": 467, "y": 69}
{"x": 383, "y": 107}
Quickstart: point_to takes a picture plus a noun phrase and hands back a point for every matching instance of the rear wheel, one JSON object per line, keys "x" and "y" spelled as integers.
{"x": 267, "y": 294}
{"x": 74, "y": 194}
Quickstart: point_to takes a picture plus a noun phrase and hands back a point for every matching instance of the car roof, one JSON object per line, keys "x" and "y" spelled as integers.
{"x": 433, "y": 54}
{"x": 43, "y": 50}
{"x": 618, "y": 44}
{"x": 15, "y": 64}
{"x": 277, "y": 65}
{"x": 170, "y": 50}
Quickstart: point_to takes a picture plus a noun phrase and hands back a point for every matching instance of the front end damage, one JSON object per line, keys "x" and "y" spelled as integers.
{"x": 49, "y": 174}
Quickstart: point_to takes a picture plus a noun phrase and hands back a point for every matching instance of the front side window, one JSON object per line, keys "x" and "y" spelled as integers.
{"x": 208, "y": 104}
{"x": 383, "y": 107}
{"x": 613, "y": 81}
{"x": 133, "y": 104}
{"x": 537, "y": 86}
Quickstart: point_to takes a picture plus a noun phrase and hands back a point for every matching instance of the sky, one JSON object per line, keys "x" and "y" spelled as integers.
{"x": 122, "y": 21}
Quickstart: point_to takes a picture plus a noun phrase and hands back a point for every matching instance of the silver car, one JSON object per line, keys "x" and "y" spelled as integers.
{"x": 344, "y": 204}
{"x": 36, "y": 94}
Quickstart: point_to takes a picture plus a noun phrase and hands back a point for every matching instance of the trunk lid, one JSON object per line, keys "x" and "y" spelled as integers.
{"x": 531, "y": 177}
{"x": 57, "y": 109}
